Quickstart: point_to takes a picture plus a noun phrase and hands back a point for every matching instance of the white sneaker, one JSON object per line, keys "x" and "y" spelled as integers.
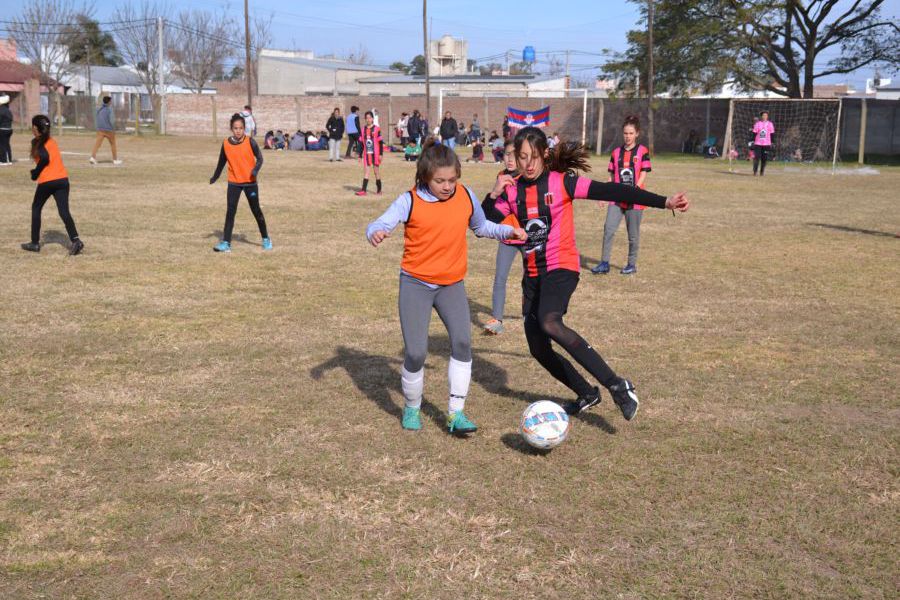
{"x": 117, "y": 162}
{"x": 92, "y": 160}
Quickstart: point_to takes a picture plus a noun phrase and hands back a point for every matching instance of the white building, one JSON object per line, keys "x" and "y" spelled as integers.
{"x": 285, "y": 73}
{"x": 472, "y": 84}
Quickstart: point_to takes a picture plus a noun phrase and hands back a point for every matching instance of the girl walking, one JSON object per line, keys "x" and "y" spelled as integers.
{"x": 541, "y": 198}
{"x": 436, "y": 214}
{"x": 244, "y": 159}
{"x": 53, "y": 180}
{"x": 629, "y": 164}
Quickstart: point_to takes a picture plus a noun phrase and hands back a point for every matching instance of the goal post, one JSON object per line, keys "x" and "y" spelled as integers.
{"x": 806, "y": 131}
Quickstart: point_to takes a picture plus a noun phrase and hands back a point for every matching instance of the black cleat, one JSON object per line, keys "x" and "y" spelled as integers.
{"x": 625, "y": 398}
{"x": 30, "y": 247}
{"x": 77, "y": 247}
{"x": 583, "y": 402}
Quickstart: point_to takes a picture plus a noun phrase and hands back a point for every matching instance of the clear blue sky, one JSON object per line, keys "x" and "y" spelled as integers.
{"x": 392, "y": 30}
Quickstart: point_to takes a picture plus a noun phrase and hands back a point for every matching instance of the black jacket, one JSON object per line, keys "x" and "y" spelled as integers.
{"x": 6, "y": 117}
{"x": 449, "y": 129}
{"x": 335, "y": 127}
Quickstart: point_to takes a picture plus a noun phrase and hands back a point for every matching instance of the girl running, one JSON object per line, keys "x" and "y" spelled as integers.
{"x": 629, "y": 164}
{"x": 244, "y": 160}
{"x": 372, "y": 147}
{"x": 542, "y": 199}
{"x": 762, "y": 142}
{"x": 506, "y": 250}
{"x": 436, "y": 214}
{"x": 53, "y": 180}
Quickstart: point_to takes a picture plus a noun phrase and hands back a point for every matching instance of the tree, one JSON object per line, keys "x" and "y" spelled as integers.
{"x": 400, "y": 66}
{"x": 360, "y": 56}
{"x": 417, "y": 65}
{"x": 41, "y": 37}
{"x": 785, "y": 39}
{"x": 490, "y": 68}
{"x": 555, "y": 66}
{"x": 520, "y": 68}
{"x": 138, "y": 42}
{"x": 200, "y": 46}
{"x": 776, "y": 45}
{"x": 88, "y": 44}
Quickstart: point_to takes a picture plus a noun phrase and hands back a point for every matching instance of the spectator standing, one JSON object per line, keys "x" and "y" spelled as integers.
{"x": 449, "y": 130}
{"x": 247, "y": 113}
{"x": 335, "y": 127}
{"x": 6, "y": 131}
{"x": 106, "y": 129}
{"x": 352, "y": 130}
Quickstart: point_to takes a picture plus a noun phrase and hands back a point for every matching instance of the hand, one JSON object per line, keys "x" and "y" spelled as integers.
{"x": 519, "y": 234}
{"x": 502, "y": 181}
{"x": 212, "y": 180}
{"x": 34, "y": 175}
{"x": 678, "y": 202}
{"x": 378, "y": 237}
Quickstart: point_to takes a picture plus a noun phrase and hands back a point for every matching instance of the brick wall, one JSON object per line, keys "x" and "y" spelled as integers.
{"x": 192, "y": 114}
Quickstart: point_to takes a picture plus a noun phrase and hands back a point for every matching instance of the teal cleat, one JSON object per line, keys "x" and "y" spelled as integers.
{"x": 267, "y": 244}
{"x": 459, "y": 424}
{"x": 411, "y": 418}
{"x": 222, "y": 246}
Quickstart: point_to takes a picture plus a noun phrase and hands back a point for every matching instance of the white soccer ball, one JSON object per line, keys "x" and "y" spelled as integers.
{"x": 545, "y": 425}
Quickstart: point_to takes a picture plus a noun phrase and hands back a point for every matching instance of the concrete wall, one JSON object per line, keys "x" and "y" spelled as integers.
{"x": 882, "y": 126}
{"x": 281, "y": 77}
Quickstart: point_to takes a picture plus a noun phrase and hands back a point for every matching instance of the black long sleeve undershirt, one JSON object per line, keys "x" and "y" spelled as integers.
{"x": 43, "y": 161}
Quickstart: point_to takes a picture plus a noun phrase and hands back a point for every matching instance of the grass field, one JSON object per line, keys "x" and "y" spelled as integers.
{"x": 177, "y": 423}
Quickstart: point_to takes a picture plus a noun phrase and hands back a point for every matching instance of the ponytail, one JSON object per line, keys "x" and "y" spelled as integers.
{"x": 563, "y": 158}
{"x": 42, "y": 124}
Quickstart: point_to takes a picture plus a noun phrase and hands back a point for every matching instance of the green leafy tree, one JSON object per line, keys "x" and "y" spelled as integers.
{"x": 417, "y": 65}
{"x": 400, "y": 66}
{"x": 88, "y": 43}
{"x": 778, "y": 45}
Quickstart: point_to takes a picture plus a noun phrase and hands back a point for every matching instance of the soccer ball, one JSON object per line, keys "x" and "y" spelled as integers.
{"x": 545, "y": 425}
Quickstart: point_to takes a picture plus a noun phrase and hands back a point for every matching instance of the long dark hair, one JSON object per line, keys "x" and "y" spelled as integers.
{"x": 564, "y": 157}
{"x": 42, "y": 124}
{"x": 434, "y": 156}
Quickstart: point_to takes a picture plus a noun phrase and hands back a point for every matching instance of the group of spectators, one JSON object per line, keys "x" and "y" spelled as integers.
{"x": 412, "y": 129}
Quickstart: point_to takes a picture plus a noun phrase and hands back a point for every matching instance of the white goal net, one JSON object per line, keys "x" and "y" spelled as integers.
{"x": 805, "y": 130}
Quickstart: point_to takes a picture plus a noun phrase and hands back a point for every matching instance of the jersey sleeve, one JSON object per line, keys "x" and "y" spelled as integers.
{"x": 395, "y": 214}
{"x": 588, "y": 189}
{"x": 482, "y": 226}
{"x": 645, "y": 162}
{"x": 612, "y": 165}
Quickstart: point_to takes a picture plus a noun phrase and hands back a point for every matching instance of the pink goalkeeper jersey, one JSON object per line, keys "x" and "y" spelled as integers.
{"x": 763, "y": 131}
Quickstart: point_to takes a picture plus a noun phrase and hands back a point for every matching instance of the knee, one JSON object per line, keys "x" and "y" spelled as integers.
{"x": 551, "y": 325}
{"x": 414, "y": 360}
{"x": 461, "y": 349}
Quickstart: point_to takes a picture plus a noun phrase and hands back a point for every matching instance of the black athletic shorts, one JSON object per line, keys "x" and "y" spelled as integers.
{"x": 548, "y": 293}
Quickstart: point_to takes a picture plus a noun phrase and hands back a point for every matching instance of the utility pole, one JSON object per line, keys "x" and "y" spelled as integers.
{"x": 248, "y": 75}
{"x": 650, "y": 76}
{"x": 160, "y": 75}
{"x": 427, "y": 59}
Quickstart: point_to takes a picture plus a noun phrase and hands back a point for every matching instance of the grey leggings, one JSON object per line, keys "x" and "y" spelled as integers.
{"x": 506, "y": 254}
{"x": 614, "y": 216}
{"x": 452, "y": 305}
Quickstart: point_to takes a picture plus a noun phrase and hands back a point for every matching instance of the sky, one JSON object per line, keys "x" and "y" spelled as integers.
{"x": 392, "y": 31}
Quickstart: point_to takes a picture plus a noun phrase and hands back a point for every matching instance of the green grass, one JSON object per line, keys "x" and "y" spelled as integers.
{"x": 183, "y": 424}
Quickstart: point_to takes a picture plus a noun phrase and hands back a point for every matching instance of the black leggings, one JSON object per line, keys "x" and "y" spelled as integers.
{"x": 760, "y": 156}
{"x": 5, "y": 149}
{"x": 59, "y": 189}
{"x": 234, "y": 196}
{"x": 545, "y": 301}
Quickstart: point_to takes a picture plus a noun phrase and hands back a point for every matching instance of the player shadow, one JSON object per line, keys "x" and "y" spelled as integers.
{"x": 351, "y": 188}
{"x": 376, "y": 377}
{"x": 738, "y": 173}
{"x": 477, "y": 309}
{"x": 855, "y": 230}
{"x": 236, "y": 237}
{"x": 53, "y": 236}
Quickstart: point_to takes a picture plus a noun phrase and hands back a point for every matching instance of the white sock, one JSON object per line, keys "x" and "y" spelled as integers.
{"x": 459, "y": 374}
{"x": 412, "y": 384}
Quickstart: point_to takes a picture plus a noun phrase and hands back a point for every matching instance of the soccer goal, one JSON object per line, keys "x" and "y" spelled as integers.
{"x": 806, "y": 131}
